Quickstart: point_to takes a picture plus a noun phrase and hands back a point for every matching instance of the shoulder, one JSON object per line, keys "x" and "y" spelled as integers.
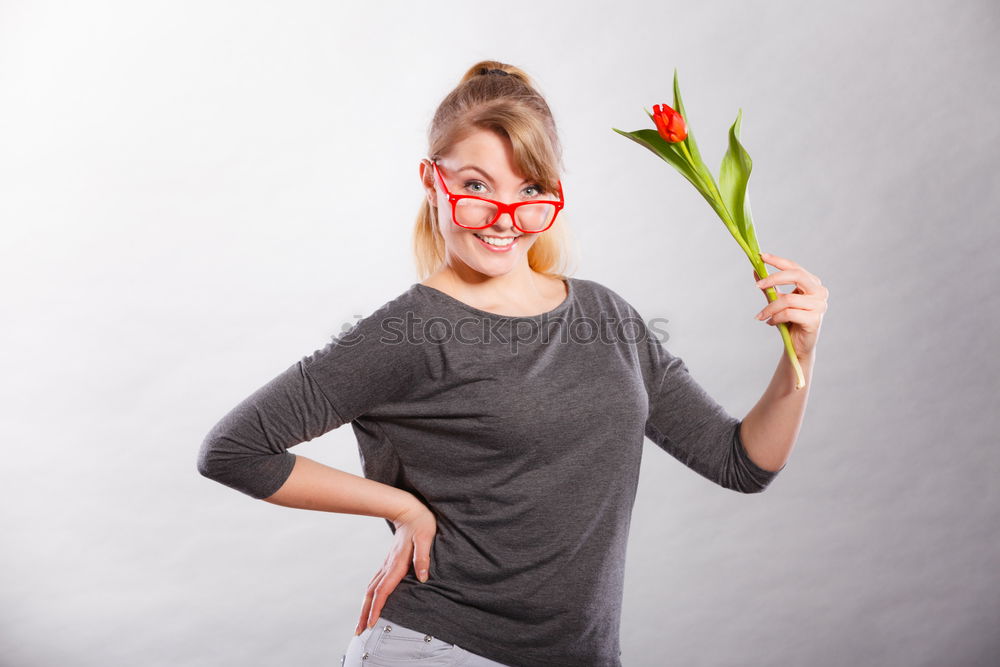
{"x": 410, "y": 300}
{"x": 596, "y": 294}
{"x": 382, "y": 318}
{"x": 375, "y": 359}
{"x": 601, "y": 301}
{"x": 380, "y": 333}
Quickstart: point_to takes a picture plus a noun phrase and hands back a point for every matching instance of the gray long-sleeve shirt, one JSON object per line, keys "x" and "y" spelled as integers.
{"x": 522, "y": 434}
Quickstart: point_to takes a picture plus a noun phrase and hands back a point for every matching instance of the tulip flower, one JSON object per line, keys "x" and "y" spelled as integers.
{"x": 669, "y": 124}
{"x": 673, "y": 141}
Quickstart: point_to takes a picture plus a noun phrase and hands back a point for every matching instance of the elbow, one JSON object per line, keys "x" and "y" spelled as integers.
{"x": 219, "y": 456}
{"x": 746, "y": 483}
{"x": 741, "y": 483}
{"x": 207, "y": 459}
{"x": 752, "y": 488}
{"x": 258, "y": 475}
{"x": 741, "y": 473}
{"x": 754, "y": 479}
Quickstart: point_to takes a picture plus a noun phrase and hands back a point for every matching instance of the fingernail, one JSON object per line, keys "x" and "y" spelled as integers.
{"x": 422, "y": 575}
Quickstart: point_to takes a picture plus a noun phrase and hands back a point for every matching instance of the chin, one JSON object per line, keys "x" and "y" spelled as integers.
{"x": 496, "y": 265}
{"x": 489, "y": 262}
{"x": 492, "y": 269}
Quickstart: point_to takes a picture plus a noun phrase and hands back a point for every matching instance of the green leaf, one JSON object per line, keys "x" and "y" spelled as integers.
{"x": 679, "y": 107}
{"x": 689, "y": 141}
{"x": 704, "y": 181}
{"x": 734, "y": 176}
{"x": 669, "y": 152}
{"x": 751, "y": 237}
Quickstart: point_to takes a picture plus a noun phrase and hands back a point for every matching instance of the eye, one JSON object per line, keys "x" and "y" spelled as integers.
{"x": 470, "y": 185}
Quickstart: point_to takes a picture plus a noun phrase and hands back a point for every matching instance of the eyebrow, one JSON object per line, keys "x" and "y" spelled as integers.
{"x": 472, "y": 166}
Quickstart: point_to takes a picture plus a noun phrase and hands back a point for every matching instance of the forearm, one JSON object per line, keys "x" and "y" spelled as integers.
{"x": 315, "y": 486}
{"x": 770, "y": 429}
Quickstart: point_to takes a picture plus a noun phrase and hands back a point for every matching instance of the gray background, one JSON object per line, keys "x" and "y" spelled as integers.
{"x": 196, "y": 194}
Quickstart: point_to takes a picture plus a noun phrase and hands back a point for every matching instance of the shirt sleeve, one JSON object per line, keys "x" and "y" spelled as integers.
{"x": 690, "y": 425}
{"x": 247, "y": 449}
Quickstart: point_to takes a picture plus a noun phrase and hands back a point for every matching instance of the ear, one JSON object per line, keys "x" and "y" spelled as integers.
{"x": 427, "y": 181}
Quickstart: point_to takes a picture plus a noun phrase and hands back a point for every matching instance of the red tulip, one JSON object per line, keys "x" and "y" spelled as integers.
{"x": 728, "y": 198}
{"x": 669, "y": 123}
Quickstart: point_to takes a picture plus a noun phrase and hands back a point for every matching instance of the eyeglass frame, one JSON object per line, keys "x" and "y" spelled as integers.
{"x": 502, "y": 208}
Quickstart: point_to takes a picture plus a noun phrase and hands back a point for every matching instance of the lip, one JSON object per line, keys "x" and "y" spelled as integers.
{"x": 495, "y": 248}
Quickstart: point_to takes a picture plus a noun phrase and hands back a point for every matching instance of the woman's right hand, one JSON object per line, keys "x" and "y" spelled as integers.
{"x": 415, "y": 530}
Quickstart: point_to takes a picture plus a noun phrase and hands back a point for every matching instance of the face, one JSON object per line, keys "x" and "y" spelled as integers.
{"x": 481, "y": 165}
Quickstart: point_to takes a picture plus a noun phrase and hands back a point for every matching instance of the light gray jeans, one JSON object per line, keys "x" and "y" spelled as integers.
{"x": 388, "y": 643}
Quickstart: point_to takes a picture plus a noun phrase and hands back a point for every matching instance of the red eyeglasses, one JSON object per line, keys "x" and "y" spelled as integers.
{"x": 530, "y": 217}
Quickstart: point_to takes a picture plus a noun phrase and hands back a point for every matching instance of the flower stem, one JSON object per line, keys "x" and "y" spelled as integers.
{"x": 800, "y": 379}
{"x": 714, "y": 197}
{"x": 786, "y": 336}
{"x": 757, "y": 263}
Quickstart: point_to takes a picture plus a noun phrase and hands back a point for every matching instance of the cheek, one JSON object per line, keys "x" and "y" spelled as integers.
{"x": 445, "y": 227}
{"x": 456, "y": 239}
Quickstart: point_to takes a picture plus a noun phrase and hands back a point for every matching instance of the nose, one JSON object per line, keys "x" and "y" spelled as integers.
{"x": 505, "y": 222}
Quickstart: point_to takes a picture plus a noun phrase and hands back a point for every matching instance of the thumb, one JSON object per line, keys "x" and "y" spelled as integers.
{"x": 421, "y": 558}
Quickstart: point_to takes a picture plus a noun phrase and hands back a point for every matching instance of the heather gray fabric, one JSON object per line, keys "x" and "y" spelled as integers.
{"x": 525, "y": 446}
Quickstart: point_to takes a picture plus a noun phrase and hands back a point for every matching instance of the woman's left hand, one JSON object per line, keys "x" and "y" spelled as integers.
{"x": 802, "y": 308}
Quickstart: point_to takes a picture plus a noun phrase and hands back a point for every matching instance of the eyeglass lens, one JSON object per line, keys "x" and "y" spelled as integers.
{"x": 533, "y": 217}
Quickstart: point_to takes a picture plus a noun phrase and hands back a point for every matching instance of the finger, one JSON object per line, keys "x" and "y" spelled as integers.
{"x": 383, "y": 590}
{"x": 422, "y": 557}
{"x": 783, "y": 277}
{"x": 790, "y": 300}
{"x": 365, "y": 608}
{"x": 802, "y": 279}
{"x": 378, "y": 600}
{"x": 809, "y": 320}
{"x": 377, "y": 603}
{"x": 811, "y": 309}
{"x": 369, "y": 601}
{"x": 785, "y": 263}
{"x": 367, "y": 604}
{"x": 780, "y": 262}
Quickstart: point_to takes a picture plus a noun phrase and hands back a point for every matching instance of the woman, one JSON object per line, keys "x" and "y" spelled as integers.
{"x": 500, "y": 408}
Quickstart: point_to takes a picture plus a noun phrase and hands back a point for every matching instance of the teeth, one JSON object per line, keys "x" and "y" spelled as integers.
{"x": 506, "y": 241}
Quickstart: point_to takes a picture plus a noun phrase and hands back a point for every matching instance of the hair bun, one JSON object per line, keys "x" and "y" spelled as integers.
{"x": 487, "y": 70}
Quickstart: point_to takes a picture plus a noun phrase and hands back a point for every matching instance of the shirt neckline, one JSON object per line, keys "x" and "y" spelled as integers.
{"x": 570, "y": 296}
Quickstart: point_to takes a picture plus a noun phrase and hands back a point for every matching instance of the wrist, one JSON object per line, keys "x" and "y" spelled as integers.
{"x": 408, "y": 505}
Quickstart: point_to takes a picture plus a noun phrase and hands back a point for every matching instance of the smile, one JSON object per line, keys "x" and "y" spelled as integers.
{"x": 497, "y": 243}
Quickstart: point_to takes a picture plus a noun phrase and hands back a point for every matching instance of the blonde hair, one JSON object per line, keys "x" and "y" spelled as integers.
{"x": 511, "y": 107}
